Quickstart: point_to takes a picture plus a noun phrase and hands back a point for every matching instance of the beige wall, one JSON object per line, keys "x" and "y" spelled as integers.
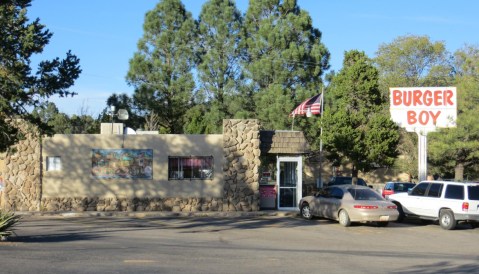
{"x": 75, "y": 180}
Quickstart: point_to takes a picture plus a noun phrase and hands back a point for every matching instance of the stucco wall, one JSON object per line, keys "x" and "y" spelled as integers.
{"x": 75, "y": 180}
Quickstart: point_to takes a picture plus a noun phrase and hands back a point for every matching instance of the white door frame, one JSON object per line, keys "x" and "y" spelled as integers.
{"x": 299, "y": 181}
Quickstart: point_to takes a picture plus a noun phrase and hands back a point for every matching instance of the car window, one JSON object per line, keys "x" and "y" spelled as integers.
{"x": 388, "y": 186}
{"x": 435, "y": 190}
{"x": 361, "y": 182}
{"x": 473, "y": 192}
{"x": 335, "y": 192}
{"x": 403, "y": 187}
{"x": 420, "y": 189}
{"x": 365, "y": 194}
{"x": 454, "y": 192}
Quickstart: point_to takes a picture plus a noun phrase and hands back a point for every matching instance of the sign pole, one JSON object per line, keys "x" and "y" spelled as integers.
{"x": 422, "y": 155}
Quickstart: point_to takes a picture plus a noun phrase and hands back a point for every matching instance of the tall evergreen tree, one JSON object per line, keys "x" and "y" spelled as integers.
{"x": 20, "y": 89}
{"x": 285, "y": 60}
{"x": 358, "y": 129}
{"x": 161, "y": 69}
{"x": 220, "y": 74}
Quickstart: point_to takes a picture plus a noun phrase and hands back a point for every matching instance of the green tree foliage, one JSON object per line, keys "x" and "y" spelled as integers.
{"x": 20, "y": 87}
{"x": 219, "y": 71}
{"x": 455, "y": 151}
{"x": 357, "y": 129}
{"x": 285, "y": 59}
{"x": 412, "y": 61}
{"x": 160, "y": 70}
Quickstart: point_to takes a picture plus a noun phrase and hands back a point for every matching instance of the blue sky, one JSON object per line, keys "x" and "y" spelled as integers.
{"x": 104, "y": 34}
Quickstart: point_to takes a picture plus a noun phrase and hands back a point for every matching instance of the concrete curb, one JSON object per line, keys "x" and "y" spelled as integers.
{"x": 144, "y": 214}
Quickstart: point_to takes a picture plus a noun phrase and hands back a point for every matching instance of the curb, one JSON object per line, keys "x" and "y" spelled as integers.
{"x": 143, "y": 214}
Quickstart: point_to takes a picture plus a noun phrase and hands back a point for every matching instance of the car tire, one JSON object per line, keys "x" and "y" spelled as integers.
{"x": 382, "y": 224}
{"x": 306, "y": 211}
{"x": 473, "y": 224}
{"x": 344, "y": 218}
{"x": 447, "y": 220}
{"x": 401, "y": 213}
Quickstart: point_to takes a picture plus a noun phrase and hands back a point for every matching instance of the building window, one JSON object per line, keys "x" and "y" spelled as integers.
{"x": 190, "y": 167}
{"x": 54, "y": 163}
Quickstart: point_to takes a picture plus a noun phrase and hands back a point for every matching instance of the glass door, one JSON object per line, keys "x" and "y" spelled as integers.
{"x": 289, "y": 180}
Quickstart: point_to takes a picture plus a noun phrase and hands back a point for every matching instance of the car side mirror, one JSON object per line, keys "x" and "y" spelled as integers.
{"x": 370, "y": 186}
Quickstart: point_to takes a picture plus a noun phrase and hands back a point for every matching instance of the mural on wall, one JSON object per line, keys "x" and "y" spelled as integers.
{"x": 122, "y": 163}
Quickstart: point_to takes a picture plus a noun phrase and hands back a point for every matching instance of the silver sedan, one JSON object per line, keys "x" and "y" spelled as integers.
{"x": 347, "y": 204}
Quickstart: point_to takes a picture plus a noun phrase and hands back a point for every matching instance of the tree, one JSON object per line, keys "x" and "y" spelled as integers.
{"x": 412, "y": 61}
{"x": 20, "y": 88}
{"x": 285, "y": 59}
{"x": 455, "y": 151}
{"x": 357, "y": 128}
{"x": 219, "y": 71}
{"x": 160, "y": 70}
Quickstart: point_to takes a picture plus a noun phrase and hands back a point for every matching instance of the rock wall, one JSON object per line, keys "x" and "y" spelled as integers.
{"x": 241, "y": 170}
{"x": 22, "y": 172}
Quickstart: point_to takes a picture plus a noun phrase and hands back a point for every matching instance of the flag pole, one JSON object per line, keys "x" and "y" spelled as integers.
{"x": 321, "y": 108}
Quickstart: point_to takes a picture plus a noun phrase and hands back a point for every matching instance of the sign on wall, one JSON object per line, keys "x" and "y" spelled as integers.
{"x": 423, "y": 108}
{"x": 122, "y": 163}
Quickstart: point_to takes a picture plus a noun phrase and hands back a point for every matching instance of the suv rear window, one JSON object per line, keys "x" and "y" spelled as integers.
{"x": 455, "y": 192}
{"x": 473, "y": 192}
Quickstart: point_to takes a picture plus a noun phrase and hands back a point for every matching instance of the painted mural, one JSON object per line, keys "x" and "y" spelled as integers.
{"x": 122, "y": 163}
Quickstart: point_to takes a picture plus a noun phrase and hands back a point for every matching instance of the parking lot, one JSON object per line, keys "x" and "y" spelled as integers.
{"x": 261, "y": 244}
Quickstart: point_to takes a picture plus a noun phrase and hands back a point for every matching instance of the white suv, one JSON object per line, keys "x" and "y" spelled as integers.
{"x": 447, "y": 202}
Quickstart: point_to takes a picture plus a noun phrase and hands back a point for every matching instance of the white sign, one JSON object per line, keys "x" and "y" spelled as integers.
{"x": 423, "y": 108}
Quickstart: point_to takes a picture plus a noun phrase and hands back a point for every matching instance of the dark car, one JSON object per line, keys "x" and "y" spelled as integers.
{"x": 344, "y": 180}
{"x": 396, "y": 187}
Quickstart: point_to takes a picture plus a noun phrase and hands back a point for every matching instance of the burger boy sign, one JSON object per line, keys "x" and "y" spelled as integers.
{"x": 423, "y": 108}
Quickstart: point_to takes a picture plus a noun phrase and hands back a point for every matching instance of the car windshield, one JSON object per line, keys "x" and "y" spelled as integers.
{"x": 365, "y": 194}
{"x": 403, "y": 187}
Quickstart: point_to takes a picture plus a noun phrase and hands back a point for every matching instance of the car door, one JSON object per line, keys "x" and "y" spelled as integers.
{"x": 412, "y": 203}
{"x": 431, "y": 202}
{"x": 331, "y": 202}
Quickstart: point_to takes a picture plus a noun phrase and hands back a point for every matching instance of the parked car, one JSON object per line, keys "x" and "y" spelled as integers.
{"x": 396, "y": 187}
{"x": 443, "y": 201}
{"x": 343, "y": 180}
{"x": 347, "y": 204}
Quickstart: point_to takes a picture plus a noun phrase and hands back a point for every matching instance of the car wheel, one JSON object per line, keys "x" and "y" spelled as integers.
{"x": 446, "y": 219}
{"x": 401, "y": 213}
{"x": 306, "y": 211}
{"x": 382, "y": 224}
{"x": 344, "y": 218}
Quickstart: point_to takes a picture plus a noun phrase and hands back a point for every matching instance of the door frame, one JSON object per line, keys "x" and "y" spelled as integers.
{"x": 299, "y": 175}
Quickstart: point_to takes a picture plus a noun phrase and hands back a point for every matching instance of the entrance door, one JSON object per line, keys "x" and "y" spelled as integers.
{"x": 289, "y": 180}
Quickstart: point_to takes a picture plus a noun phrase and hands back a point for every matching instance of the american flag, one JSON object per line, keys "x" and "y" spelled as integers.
{"x": 313, "y": 103}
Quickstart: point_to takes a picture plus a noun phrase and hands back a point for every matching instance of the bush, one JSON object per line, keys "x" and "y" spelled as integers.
{"x": 7, "y": 222}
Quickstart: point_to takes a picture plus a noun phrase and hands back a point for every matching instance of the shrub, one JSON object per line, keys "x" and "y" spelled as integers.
{"x": 7, "y": 222}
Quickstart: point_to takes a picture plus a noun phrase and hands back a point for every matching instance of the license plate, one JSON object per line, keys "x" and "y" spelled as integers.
{"x": 383, "y": 218}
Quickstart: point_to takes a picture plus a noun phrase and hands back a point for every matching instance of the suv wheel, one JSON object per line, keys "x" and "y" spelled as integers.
{"x": 446, "y": 219}
{"x": 401, "y": 213}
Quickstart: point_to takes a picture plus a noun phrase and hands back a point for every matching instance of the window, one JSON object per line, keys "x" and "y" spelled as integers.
{"x": 420, "y": 189}
{"x": 473, "y": 192}
{"x": 54, "y": 163}
{"x": 455, "y": 192}
{"x": 435, "y": 190}
{"x": 190, "y": 167}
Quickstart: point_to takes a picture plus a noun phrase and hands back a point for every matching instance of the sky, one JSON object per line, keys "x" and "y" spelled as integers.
{"x": 103, "y": 34}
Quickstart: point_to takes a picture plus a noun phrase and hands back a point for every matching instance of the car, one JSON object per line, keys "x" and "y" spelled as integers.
{"x": 443, "y": 201}
{"x": 348, "y": 204}
{"x": 396, "y": 187}
{"x": 344, "y": 180}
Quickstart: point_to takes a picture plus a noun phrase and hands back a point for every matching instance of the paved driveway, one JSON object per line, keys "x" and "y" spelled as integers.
{"x": 261, "y": 244}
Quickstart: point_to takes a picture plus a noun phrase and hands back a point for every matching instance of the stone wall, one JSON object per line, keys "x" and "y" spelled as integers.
{"x": 241, "y": 170}
{"x": 22, "y": 172}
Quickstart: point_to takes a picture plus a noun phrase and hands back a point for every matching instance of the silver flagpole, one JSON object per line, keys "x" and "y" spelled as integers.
{"x": 321, "y": 108}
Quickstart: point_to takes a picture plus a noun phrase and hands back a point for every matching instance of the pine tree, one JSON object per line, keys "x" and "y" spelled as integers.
{"x": 357, "y": 128}
{"x": 285, "y": 59}
{"x": 161, "y": 69}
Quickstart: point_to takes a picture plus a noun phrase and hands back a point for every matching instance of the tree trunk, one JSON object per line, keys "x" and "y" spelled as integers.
{"x": 354, "y": 175}
{"x": 459, "y": 172}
